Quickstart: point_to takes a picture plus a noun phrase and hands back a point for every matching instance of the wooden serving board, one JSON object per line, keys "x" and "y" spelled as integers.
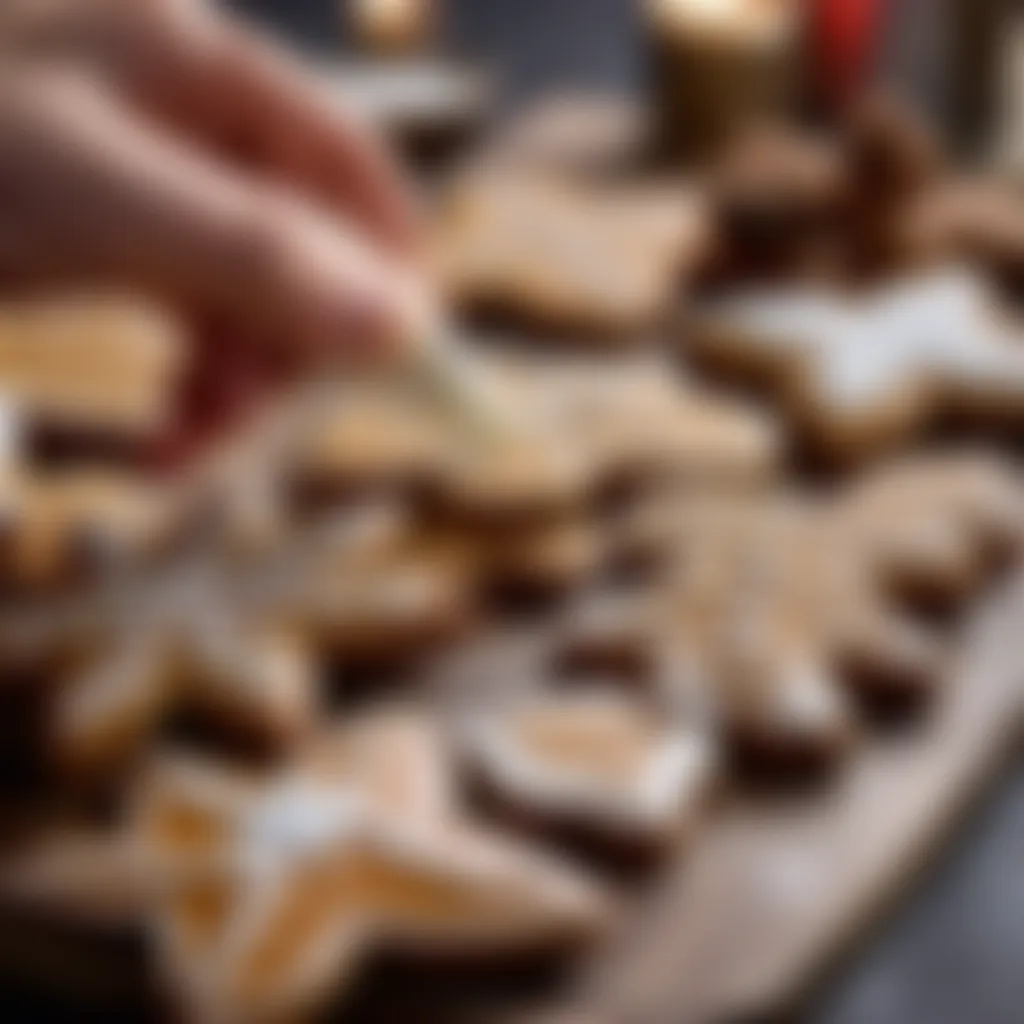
{"x": 770, "y": 891}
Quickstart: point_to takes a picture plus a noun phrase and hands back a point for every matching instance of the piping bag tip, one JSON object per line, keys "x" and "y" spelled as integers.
{"x": 443, "y": 367}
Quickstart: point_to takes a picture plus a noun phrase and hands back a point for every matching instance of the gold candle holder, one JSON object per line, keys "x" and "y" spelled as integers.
{"x": 392, "y": 28}
{"x": 717, "y": 65}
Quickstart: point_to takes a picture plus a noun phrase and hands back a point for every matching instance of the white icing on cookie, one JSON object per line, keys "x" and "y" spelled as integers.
{"x": 938, "y": 331}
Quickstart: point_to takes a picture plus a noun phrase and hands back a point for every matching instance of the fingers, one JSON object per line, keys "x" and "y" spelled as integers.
{"x": 306, "y": 138}
{"x": 91, "y": 193}
{"x": 215, "y": 82}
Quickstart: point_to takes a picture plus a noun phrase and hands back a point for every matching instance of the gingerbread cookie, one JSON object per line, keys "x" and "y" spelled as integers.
{"x": 63, "y": 527}
{"x": 370, "y": 440}
{"x": 594, "y": 765}
{"x": 732, "y": 635}
{"x": 279, "y": 889}
{"x": 105, "y": 366}
{"x": 265, "y": 891}
{"x": 240, "y": 645}
{"x": 934, "y": 526}
{"x": 600, "y": 263}
{"x": 861, "y": 373}
{"x": 776, "y": 609}
{"x": 633, "y": 421}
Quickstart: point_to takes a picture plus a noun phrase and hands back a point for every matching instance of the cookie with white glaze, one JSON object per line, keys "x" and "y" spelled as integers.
{"x": 771, "y": 612}
{"x": 860, "y": 373}
{"x": 241, "y": 646}
{"x": 281, "y": 888}
{"x": 595, "y": 766}
{"x": 263, "y": 893}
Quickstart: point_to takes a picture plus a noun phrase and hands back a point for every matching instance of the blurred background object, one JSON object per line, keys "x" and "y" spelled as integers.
{"x": 389, "y": 28}
{"x": 717, "y": 66}
{"x": 949, "y": 56}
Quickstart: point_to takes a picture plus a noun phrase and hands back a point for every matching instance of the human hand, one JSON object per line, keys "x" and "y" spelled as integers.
{"x": 156, "y": 144}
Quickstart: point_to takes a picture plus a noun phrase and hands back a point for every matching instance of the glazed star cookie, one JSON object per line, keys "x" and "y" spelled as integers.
{"x": 279, "y": 890}
{"x": 262, "y": 894}
{"x": 241, "y": 646}
{"x": 861, "y": 373}
{"x": 732, "y": 633}
{"x": 594, "y": 263}
{"x": 105, "y": 366}
{"x": 772, "y": 611}
{"x": 595, "y": 766}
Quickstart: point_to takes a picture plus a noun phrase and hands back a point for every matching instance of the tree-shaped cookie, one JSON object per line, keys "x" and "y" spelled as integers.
{"x": 279, "y": 890}
{"x": 595, "y": 765}
{"x": 863, "y": 372}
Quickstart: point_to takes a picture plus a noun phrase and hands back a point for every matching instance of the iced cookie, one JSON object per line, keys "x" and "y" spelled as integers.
{"x": 594, "y": 765}
{"x": 241, "y": 646}
{"x": 864, "y": 372}
{"x": 601, "y": 263}
{"x": 282, "y": 888}
{"x": 262, "y": 894}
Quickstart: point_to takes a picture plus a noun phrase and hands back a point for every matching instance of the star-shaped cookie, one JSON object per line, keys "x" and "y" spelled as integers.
{"x": 595, "y": 263}
{"x": 264, "y": 892}
{"x": 277, "y": 891}
{"x": 861, "y": 373}
{"x": 241, "y": 645}
{"x": 776, "y": 608}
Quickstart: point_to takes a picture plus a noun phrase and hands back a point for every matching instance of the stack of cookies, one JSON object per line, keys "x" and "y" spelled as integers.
{"x": 461, "y": 680}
